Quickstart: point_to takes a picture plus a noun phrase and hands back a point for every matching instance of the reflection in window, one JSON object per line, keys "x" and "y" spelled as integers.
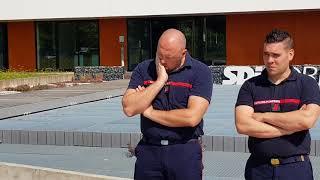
{"x": 88, "y": 48}
{"x": 3, "y": 47}
{"x": 46, "y": 46}
{"x": 215, "y": 42}
{"x": 65, "y": 44}
{"x": 138, "y": 42}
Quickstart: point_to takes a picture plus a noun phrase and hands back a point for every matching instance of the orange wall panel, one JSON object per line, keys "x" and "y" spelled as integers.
{"x": 246, "y": 33}
{"x": 21, "y": 46}
{"x": 110, "y": 48}
{"x": 307, "y": 38}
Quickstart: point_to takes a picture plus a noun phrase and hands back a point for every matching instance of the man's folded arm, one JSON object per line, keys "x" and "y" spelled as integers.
{"x": 247, "y": 125}
{"x": 188, "y": 117}
{"x": 302, "y": 119}
{"x": 136, "y": 101}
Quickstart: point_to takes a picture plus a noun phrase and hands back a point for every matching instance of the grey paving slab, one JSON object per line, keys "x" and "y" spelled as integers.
{"x": 1, "y": 135}
{"x": 217, "y": 143}
{"x": 33, "y": 137}
{"x": 125, "y": 140}
{"x": 78, "y": 138}
{"x": 87, "y": 138}
{"x": 97, "y": 139}
{"x": 247, "y": 147}
{"x": 60, "y": 138}
{"x": 24, "y": 137}
{"x": 240, "y": 144}
{"x": 7, "y": 135}
{"x": 69, "y": 138}
{"x": 317, "y": 147}
{"x": 207, "y": 142}
{"x": 313, "y": 148}
{"x": 42, "y": 137}
{"x": 106, "y": 140}
{"x": 16, "y": 136}
{"x": 51, "y": 137}
{"x": 228, "y": 144}
{"x": 134, "y": 139}
{"x": 116, "y": 140}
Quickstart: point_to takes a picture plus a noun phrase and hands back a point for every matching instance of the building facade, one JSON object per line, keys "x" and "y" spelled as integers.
{"x": 60, "y": 35}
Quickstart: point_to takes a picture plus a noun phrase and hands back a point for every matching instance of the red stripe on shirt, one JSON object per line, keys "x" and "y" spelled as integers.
{"x": 278, "y": 101}
{"x": 171, "y": 83}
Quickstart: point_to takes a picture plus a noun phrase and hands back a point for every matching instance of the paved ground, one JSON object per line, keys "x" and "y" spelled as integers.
{"x": 28, "y": 111}
{"x": 59, "y": 93}
{"x": 104, "y": 114}
{"x": 37, "y": 101}
{"x": 115, "y": 162}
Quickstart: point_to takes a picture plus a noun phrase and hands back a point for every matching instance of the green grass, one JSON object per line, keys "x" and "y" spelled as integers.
{"x": 4, "y": 75}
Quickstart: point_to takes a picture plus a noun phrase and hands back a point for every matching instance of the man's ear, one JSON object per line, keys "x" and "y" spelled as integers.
{"x": 184, "y": 51}
{"x": 291, "y": 54}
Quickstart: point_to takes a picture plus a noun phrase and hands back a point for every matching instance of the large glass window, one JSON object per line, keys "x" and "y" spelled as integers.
{"x": 46, "y": 46}
{"x": 205, "y": 37}
{"x": 215, "y": 40}
{"x": 66, "y": 44}
{"x": 159, "y": 25}
{"x": 3, "y": 47}
{"x": 138, "y": 42}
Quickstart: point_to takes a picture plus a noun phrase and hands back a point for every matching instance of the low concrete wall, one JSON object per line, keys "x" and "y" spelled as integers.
{"x": 105, "y": 73}
{"x": 122, "y": 140}
{"x": 33, "y": 81}
{"x": 10, "y": 171}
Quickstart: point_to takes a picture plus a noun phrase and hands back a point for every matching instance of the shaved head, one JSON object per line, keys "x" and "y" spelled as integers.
{"x": 171, "y": 49}
{"x": 175, "y": 37}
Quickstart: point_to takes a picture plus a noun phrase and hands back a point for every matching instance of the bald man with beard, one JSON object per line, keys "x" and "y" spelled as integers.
{"x": 171, "y": 93}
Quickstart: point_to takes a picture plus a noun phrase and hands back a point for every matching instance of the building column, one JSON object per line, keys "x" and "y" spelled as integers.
{"x": 21, "y": 46}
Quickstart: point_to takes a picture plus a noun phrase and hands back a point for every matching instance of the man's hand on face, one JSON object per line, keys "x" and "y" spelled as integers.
{"x": 161, "y": 71}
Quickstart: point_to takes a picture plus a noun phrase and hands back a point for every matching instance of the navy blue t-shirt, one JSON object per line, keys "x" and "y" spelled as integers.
{"x": 193, "y": 78}
{"x": 264, "y": 96}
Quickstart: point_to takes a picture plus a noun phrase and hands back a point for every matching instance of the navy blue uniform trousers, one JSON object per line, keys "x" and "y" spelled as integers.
{"x": 256, "y": 170}
{"x": 170, "y": 162}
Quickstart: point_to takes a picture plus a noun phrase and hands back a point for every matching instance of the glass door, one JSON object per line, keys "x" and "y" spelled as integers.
{"x": 185, "y": 25}
{"x": 215, "y": 40}
{"x": 68, "y": 55}
{"x": 46, "y": 46}
{"x": 3, "y": 47}
{"x": 87, "y": 44}
{"x": 66, "y": 44}
{"x": 138, "y": 41}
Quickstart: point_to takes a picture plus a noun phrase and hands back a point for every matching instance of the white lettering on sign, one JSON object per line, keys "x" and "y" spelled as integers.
{"x": 237, "y": 75}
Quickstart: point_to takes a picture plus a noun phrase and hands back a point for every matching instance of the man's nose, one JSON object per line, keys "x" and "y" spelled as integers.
{"x": 270, "y": 59}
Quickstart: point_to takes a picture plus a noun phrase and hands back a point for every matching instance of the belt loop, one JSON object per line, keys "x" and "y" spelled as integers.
{"x": 275, "y": 161}
{"x": 164, "y": 142}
